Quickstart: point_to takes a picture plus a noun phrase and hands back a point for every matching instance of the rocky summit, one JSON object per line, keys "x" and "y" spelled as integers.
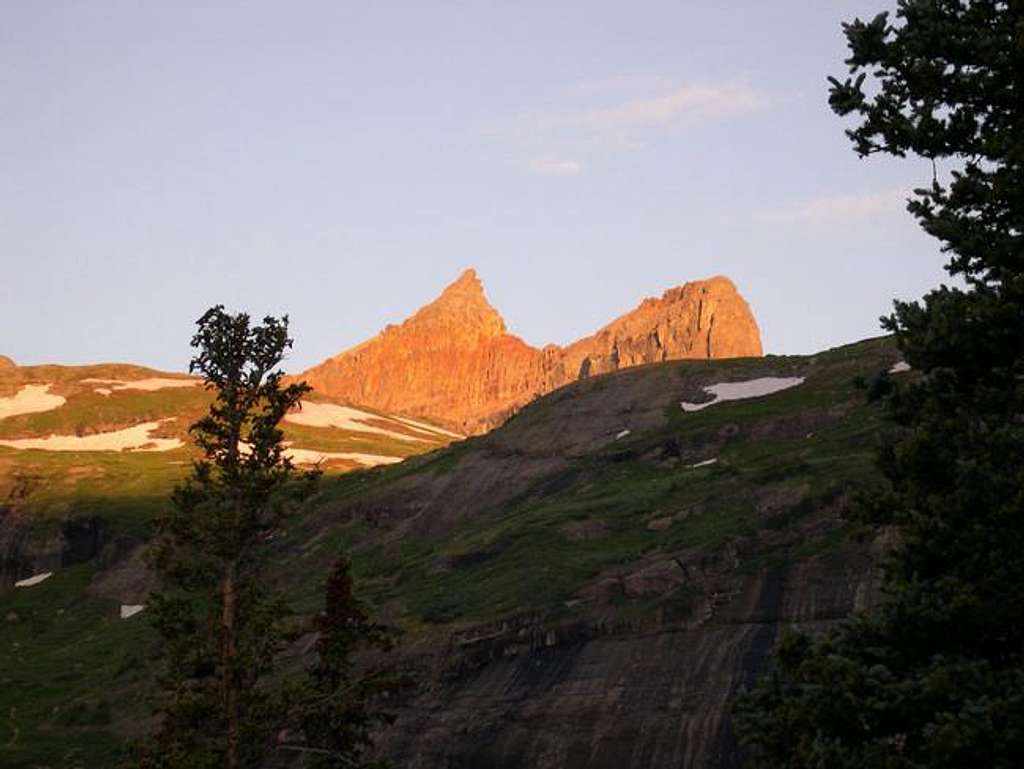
{"x": 6, "y": 362}
{"x": 455, "y": 362}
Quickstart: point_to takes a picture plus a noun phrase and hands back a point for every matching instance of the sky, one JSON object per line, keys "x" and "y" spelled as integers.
{"x": 342, "y": 162}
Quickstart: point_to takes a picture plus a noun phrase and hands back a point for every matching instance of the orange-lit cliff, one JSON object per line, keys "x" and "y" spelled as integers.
{"x": 454, "y": 361}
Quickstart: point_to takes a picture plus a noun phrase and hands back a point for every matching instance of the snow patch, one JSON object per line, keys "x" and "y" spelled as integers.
{"x": 428, "y": 428}
{"x": 622, "y": 434}
{"x": 346, "y": 418}
{"x": 705, "y": 463}
{"x": 150, "y": 384}
{"x": 131, "y": 609}
{"x": 135, "y": 438}
{"x": 30, "y": 399}
{"x": 35, "y": 579}
{"x": 753, "y": 388}
{"x": 312, "y": 457}
{"x": 899, "y": 367}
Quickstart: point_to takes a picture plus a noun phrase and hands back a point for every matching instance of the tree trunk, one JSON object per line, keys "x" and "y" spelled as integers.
{"x": 229, "y": 654}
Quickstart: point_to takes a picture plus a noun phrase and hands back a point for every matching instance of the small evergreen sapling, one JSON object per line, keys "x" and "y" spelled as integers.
{"x": 340, "y": 704}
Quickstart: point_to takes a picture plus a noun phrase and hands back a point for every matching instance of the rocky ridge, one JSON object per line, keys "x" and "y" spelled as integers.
{"x": 455, "y": 362}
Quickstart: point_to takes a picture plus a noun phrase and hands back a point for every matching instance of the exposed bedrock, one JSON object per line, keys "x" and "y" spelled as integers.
{"x": 29, "y": 547}
{"x": 580, "y": 696}
{"x": 454, "y": 361}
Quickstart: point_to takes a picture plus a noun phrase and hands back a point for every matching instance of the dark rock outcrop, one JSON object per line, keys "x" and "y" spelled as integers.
{"x": 573, "y": 696}
{"x": 27, "y": 548}
{"x": 586, "y": 683}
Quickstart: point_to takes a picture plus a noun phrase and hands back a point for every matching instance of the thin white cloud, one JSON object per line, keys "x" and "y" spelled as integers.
{"x": 835, "y": 208}
{"x": 551, "y": 167}
{"x": 620, "y": 113}
{"x": 690, "y": 102}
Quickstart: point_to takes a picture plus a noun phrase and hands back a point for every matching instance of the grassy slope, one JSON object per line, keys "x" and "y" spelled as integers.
{"x": 68, "y": 668}
{"x": 781, "y": 460}
{"x": 131, "y": 486}
{"x": 67, "y": 665}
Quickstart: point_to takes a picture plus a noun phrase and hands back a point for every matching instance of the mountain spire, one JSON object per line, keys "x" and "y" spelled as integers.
{"x": 453, "y": 361}
{"x": 464, "y": 305}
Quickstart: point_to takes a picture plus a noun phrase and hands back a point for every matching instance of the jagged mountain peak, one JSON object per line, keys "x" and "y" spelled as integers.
{"x": 461, "y": 308}
{"x": 467, "y": 285}
{"x": 454, "y": 362}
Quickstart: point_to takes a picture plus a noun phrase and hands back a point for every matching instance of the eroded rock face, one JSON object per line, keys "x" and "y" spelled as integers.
{"x": 6, "y": 362}
{"x": 454, "y": 361}
{"x": 27, "y": 550}
{"x": 579, "y": 696}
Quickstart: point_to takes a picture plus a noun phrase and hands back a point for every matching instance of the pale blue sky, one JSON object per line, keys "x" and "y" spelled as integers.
{"x": 343, "y": 161}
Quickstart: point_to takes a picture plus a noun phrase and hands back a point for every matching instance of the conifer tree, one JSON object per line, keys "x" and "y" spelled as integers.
{"x": 934, "y": 677}
{"x": 340, "y": 703}
{"x": 220, "y": 623}
{"x": 224, "y": 702}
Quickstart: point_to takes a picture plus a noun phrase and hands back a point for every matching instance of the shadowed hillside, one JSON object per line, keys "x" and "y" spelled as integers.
{"x": 587, "y": 586}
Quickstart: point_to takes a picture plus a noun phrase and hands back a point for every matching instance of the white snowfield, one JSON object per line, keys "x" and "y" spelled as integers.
{"x": 35, "y": 579}
{"x": 138, "y": 438}
{"x": 30, "y": 399}
{"x": 428, "y": 428}
{"x": 312, "y": 457}
{"x": 348, "y": 418}
{"x": 150, "y": 384}
{"x": 135, "y": 438}
{"x": 899, "y": 367}
{"x": 131, "y": 609}
{"x": 752, "y": 388}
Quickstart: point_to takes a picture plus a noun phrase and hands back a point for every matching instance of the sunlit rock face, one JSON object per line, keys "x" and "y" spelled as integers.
{"x": 454, "y": 361}
{"x": 6, "y": 362}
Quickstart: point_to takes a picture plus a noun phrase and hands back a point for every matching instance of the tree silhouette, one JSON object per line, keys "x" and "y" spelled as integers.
{"x": 221, "y": 625}
{"x": 935, "y": 676}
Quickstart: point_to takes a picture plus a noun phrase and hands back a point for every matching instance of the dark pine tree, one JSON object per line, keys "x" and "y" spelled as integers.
{"x": 346, "y": 693}
{"x": 221, "y": 624}
{"x": 225, "y": 701}
{"x": 934, "y": 677}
